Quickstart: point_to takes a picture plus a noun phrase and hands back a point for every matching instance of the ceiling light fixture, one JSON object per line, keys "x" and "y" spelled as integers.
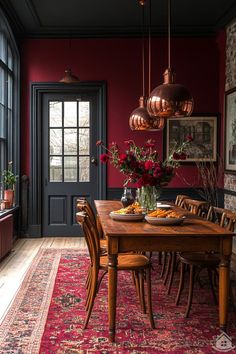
{"x": 170, "y": 99}
{"x": 69, "y": 78}
{"x": 139, "y": 118}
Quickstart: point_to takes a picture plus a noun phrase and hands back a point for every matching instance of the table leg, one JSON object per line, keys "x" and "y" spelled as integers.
{"x": 112, "y": 290}
{"x": 223, "y": 291}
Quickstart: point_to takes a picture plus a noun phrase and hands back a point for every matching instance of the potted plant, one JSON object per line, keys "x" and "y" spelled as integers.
{"x": 9, "y": 180}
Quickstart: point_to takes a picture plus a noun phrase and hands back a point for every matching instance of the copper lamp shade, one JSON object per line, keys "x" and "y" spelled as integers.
{"x": 141, "y": 120}
{"x": 170, "y": 99}
{"x": 69, "y": 78}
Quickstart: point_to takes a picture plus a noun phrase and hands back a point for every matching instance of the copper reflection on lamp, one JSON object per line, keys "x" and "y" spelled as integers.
{"x": 141, "y": 120}
{"x": 170, "y": 99}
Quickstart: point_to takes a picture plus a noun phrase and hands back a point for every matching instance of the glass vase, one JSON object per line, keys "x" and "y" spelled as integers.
{"x": 148, "y": 196}
{"x": 127, "y": 197}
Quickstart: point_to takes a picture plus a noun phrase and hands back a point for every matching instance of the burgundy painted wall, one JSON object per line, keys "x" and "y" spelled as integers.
{"x": 118, "y": 61}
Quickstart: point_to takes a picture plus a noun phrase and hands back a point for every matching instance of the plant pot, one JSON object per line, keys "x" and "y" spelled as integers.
{"x": 9, "y": 195}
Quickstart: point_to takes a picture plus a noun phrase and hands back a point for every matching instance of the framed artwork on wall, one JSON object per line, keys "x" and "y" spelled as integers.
{"x": 230, "y": 131}
{"x": 203, "y": 130}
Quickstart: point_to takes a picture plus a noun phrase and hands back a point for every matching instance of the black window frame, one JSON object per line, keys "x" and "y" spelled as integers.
{"x": 9, "y": 127}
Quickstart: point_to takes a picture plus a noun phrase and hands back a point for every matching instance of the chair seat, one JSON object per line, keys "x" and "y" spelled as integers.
{"x": 202, "y": 259}
{"x": 127, "y": 261}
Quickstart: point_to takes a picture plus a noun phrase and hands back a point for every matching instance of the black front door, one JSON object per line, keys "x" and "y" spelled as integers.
{"x": 69, "y": 159}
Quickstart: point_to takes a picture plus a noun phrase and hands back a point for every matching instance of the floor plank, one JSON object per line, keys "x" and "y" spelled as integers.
{"x": 15, "y": 265}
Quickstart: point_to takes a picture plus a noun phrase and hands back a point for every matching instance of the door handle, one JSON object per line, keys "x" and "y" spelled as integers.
{"x": 94, "y": 161}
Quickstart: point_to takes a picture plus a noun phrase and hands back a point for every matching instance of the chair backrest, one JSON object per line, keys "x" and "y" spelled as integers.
{"x": 180, "y": 198}
{"x": 224, "y": 217}
{"x": 91, "y": 237}
{"x": 215, "y": 214}
{"x": 84, "y": 205}
{"x": 229, "y": 220}
{"x": 197, "y": 207}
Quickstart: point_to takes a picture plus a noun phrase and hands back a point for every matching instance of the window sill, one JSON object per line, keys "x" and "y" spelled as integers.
{"x": 8, "y": 211}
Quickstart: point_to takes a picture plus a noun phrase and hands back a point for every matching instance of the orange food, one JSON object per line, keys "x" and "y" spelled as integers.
{"x": 160, "y": 213}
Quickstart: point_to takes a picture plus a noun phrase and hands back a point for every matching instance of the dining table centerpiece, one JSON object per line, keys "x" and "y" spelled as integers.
{"x": 143, "y": 167}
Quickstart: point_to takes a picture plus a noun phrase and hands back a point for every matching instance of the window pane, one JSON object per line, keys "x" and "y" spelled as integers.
{"x": 9, "y": 81}
{"x": 55, "y": 141}
{"x": 10, "y": 58}
{"x": 2, "y": 123}
{"x": 70, "y": 114}
{"x": 3, "y": 48}
{"x": 70, "y": 141}
{"x": 84, "y": 175}
{"x": 84, "y": 141}
{"x": 55, "y": 169}
{"x": 2, "y": 86}
{"x": 10, "y": 138}
{"x": 70, "y": 169}
{"x": 55, "y": 114}
{"x": 84, "y": 114}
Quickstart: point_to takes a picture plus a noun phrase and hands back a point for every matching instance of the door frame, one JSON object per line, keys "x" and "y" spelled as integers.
{"x": 36, "y": 109}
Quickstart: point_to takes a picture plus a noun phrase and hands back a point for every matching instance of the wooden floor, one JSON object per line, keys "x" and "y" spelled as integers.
{"x": 15, "y": 265}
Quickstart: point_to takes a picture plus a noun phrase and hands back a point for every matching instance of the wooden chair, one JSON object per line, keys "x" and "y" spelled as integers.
{"x": 180, "y": 198}
{"x": 201, "y": 260}
{"x": 84, "y": 205}
{"x": 197, "y": 207}
{"x": 172, "y": 255}
{"x": 136, "y": 263}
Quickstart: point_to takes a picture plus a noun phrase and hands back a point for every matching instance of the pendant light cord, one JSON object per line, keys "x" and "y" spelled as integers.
{"x": 169, "y": 20}
{"x": 143, "y": 47}
{"x": 149, "y": 48}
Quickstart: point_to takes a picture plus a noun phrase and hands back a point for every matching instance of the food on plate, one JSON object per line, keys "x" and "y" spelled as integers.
{"x": 160, "y": 213}
{"x": 131, "y": 209}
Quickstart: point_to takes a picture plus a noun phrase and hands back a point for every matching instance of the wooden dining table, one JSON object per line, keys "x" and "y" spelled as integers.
{"x": 195, "y": 235}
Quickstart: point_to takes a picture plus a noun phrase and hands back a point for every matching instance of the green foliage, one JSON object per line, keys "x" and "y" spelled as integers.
{"x": 9, "y": 178}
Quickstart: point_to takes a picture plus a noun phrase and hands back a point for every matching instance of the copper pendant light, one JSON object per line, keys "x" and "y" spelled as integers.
{"x": 139, "y": 118}
{"x": 69, "y": 78}
{"x": 170, "y": 99}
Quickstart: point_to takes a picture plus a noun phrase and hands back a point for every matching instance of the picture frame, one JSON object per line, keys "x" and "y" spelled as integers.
{"x": 230, "y": 131}
{"x": 203, "y": 130}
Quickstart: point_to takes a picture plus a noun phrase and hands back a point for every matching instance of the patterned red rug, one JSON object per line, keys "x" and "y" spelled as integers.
{"x": 48, "y": 313}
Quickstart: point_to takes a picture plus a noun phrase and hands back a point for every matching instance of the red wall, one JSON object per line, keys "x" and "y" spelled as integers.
{"x": 118, "y": 61}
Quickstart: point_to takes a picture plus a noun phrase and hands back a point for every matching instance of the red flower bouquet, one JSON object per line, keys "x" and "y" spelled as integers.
{"x": 142, "y": 165}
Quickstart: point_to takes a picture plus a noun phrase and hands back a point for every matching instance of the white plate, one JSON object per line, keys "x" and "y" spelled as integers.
{"x": 164, "y": 221}
{"x": 163, "y": 206}
{"x": 126, "y": 217}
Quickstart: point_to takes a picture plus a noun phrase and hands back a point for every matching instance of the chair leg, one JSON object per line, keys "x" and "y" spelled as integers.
{"x": 190, "y": 293}
{"x": 149, "y": 297}
{"x": 159, "y": 258}
{"x": 137, "y": 286}
{"x": 92, "y": 298}
{"x": 168, "y": 267}
{"x": 172, "y": 271}
{"x": 141, "y": 287}
{"x": 210, "y": 276}
{"x": 181, "y": 283}
{"x": 163, "y": 264}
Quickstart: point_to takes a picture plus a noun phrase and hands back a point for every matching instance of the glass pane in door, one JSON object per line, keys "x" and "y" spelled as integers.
{"x": 69, "y": 141}
{"x": 55, "y": 114}
{"x": 70, "y": 169}
{"x": 55, "y": 169}
{"x": 70, "y": 114}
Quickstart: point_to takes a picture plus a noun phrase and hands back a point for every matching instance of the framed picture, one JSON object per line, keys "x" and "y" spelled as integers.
{"x": 203, "y": 130}
{"x": 230, "y": 131}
